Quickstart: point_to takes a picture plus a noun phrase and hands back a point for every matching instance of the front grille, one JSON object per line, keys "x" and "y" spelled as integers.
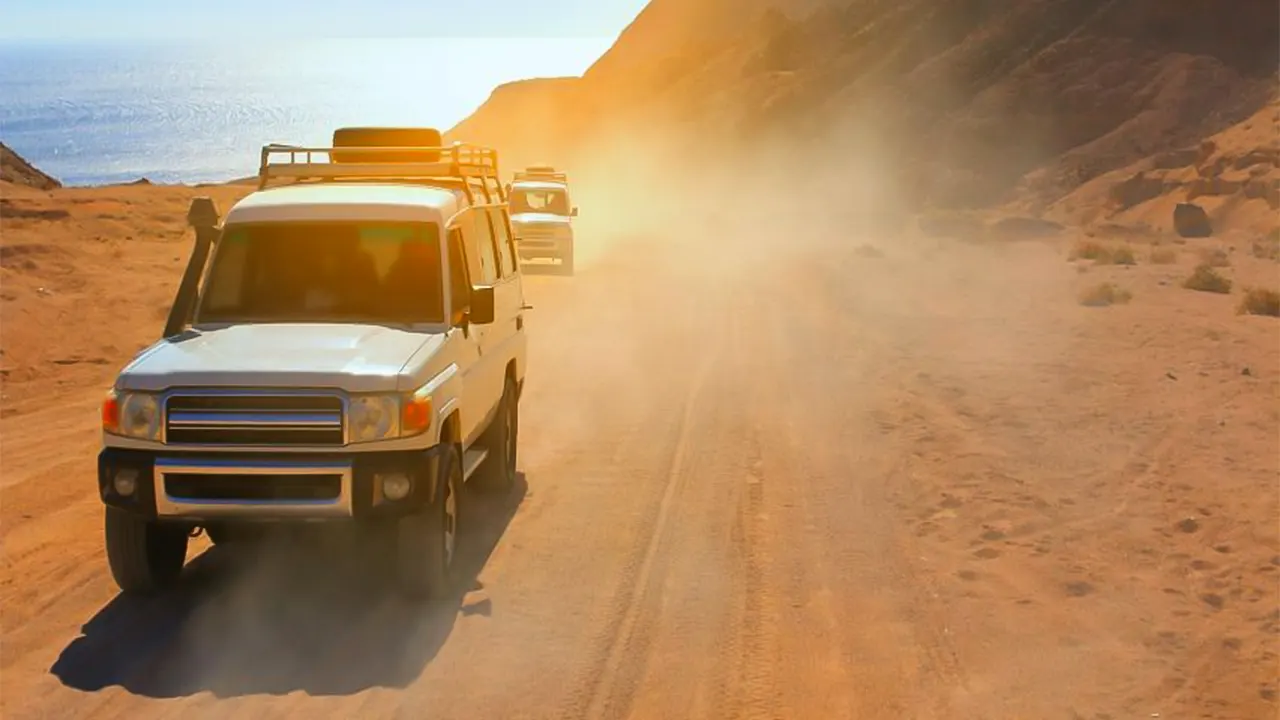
{"x": 252, "y": 488}
{"x": 525, "y": 244}
{"x": 537, "y": 231}
{"x": 254, "y": 420}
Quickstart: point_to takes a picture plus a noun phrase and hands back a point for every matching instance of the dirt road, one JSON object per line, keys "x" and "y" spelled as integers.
{"x": 809, "y": 484}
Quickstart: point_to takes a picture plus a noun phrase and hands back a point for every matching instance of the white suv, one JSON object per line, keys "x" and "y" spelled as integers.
{"x": 542, "y": 216}
{"x": 354, "y": 351}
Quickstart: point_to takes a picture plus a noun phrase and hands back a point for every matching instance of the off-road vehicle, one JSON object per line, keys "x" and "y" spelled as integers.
{"x": 353, "y": 352}
{"x": 542, "y": 216}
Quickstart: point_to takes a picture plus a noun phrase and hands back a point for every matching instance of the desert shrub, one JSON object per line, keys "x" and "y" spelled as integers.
{"x": 1260, "y": 301}
{"x": 1105, "y": 294}
{"x": 1164, "y": 256}
{"x": 1123, "y": 255}
{"x": 1207, "y": 279}
{"x": 1089, "y": 250}
{"x": 1267, "y": 248}
{"x": 1215, "y": 257}
{"x": 1103, "y": 254}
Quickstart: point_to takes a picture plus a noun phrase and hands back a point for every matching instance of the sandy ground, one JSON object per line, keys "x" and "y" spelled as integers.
{"x": 761, "y": 481}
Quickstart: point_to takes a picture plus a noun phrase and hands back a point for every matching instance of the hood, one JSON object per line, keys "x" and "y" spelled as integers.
{"x": 354, "y": 358}
{"x": 539, "y": 218}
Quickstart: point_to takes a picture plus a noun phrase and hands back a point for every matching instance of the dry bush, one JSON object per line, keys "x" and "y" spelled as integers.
{"x": 1164, "y": 256}
{"x": 1105, "y": 294}
{"x": 1215, "y": 257}
{"x": 1103, "y": 254}
{"x": 1089, "y": 250}
{"x": 1207, "y": 279}
{"x": 1267, "y": 248}
{"x": 1123, "y": 255}
{"x": 1260, "y": 301}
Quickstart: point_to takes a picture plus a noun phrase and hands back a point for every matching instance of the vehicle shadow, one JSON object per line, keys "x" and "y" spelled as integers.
{"x": 315, "y": 616}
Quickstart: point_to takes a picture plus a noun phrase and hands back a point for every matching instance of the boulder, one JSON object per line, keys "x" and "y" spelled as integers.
{"x": 1191, "y": 221}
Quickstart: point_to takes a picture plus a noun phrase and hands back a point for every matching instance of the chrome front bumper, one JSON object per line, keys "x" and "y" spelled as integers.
{"x": 193, "y": 487}
{"x": 542, "y": 245}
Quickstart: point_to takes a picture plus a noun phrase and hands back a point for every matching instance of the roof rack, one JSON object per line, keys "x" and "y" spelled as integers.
{"x": 455, "y": 162}
{"x": 541, "y": 172}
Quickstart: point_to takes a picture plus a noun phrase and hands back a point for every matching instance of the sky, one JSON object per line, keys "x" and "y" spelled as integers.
{"x": 242, "y": 20}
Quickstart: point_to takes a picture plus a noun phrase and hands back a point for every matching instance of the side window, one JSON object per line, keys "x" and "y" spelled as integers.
{"x": 459, "y": 281}
{"x": 478, "y": 239}
{"x": 502, "y": 236}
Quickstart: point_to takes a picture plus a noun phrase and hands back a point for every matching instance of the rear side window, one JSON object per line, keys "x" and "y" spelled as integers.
{"x": 502, "y": 236}
{"x": 478, "y": 240}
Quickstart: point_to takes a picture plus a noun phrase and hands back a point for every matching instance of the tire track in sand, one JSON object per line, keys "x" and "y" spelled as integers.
{"x": 613, "y": 682}
{"x": 748, "y": 691}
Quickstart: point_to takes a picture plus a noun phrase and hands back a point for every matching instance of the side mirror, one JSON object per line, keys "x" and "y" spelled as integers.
{"x": 482, "y": 305}
{"x": 574, "y": 212}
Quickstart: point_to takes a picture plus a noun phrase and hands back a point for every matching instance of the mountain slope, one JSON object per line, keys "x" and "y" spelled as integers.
{"x": 959, "y": 102}
{"x": 16, "y": 170}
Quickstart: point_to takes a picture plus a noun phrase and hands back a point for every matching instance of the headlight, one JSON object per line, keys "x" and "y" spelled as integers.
{"x": 417, "y": 413}
{"x": 373, "y": 417}
{"x": 130, "y": 414}
{"x": 382, "y": 417}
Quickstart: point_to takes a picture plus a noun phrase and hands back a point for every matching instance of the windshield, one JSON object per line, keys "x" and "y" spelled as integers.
{"x": 539, "y": 200}
{"x": 325, "y": 272}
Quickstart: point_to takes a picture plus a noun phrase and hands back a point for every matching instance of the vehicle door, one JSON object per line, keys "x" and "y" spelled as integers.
{"x": 484, "y": 385}
{"x": 464, "y": 338}
{"x": 509, "y": 292}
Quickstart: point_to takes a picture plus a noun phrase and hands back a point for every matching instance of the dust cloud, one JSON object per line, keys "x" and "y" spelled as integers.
{"x": 802, "y": 410}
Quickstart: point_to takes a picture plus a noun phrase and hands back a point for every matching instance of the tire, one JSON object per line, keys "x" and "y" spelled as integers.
{"x": 501, "y": 439}
{"x": 426, "y": 541}
{"x": 145, "y": 556}
{"x": 566, "y": 263}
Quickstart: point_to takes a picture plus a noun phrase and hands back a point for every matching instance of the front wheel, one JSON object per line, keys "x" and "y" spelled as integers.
{"x": 426, "y": 541}
{"x": 145, "y": 556}
{"x": 566, "y": 263}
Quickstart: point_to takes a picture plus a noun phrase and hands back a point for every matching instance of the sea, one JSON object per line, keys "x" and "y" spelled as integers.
{"x": 95, "y": 112}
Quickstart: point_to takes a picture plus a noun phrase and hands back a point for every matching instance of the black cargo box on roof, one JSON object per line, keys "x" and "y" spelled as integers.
{"x": 397, "y": 137}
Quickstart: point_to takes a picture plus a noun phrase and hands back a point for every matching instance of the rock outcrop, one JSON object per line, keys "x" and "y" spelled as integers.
{"x": 16, "y": 170}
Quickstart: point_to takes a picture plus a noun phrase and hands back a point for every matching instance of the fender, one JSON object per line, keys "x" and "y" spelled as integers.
{"x": 444, "y": 390}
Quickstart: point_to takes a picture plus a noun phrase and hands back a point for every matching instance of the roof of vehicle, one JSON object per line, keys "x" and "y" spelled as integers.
{"x": 539, "y": 185}
{"x": 348, "y": 201}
